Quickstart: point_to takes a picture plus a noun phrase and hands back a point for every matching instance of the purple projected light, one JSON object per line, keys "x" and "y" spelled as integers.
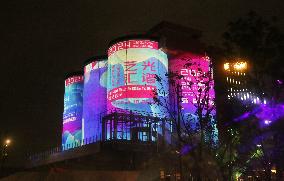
{"x": 280, "y": 82}
{"x": 199, "y": 66}
{"x": 195, "y": 71}
{"x": 186, "y": 149}
{"x": 94, "y": 97}
{"x": 267, "y": 114}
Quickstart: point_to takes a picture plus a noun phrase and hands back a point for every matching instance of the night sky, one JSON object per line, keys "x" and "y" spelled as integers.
{"x": 43, "y": 40}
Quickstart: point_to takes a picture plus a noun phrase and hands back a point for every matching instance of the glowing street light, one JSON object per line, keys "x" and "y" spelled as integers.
{"x": 267, "y": 122}
{"x": 7, "y": 142}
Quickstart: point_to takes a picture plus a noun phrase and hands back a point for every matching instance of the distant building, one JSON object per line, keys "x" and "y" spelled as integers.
{"x": 237, "y": 75}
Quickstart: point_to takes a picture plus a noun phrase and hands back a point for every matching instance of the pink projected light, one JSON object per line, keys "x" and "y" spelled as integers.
{"x": 132, "y": 44}
{"x": 195, "y": 70}
{"x": 195, "y": 77}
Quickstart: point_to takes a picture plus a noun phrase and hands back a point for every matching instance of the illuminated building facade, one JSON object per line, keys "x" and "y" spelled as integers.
{"x": 117, "y": 98}
{"x": 118, "y": 87}
{"x": 183, "y": 46}
{"x": 94, "y": 97}
{"x": 122, "y": 85}
{"x": 133, "y": 64}
{"x": 73, "y": 107}
{"x": 237, "y": 77}
{"x": 197, "y": 76}
{"x": 133, "y": 67}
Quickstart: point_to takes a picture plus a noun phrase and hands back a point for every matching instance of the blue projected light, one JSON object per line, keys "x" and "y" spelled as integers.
{"x": 72, "y": 115}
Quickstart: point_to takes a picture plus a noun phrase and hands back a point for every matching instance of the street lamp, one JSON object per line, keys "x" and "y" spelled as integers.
{"x": 7, "y": 142}
{"x": 4, "y": 155}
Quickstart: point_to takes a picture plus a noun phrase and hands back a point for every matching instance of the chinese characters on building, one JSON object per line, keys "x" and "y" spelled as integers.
{"x": 194, "y": 83}
{"x": 132, "y": 44}
{"x": 135, "y": 84}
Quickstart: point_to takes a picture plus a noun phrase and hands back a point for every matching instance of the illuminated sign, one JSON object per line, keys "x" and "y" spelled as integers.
{"x": 94, "y": 98}
{"x": 132, "y": 69}
{"x": 72, "y": 115}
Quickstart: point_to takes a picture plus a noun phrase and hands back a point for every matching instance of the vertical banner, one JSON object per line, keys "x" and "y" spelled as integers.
{"x": 133, "y": 67}
{"x": 72, "y": 115}
{"x": 94, "y": 107}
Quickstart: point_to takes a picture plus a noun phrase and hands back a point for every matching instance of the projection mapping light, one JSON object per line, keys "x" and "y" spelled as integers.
{"x": 94, "y": 97}
{"x": 132, "y": 69}
{"x": 72, "y": 115}
{"x": 197, "y": 85}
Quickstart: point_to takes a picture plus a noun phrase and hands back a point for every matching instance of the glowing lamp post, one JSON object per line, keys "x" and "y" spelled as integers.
{"x": 4, "y": 155}
{"x": 7, "y": 142}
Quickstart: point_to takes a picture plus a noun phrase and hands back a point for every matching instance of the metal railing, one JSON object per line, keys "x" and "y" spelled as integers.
{"x": 60, "y": 149}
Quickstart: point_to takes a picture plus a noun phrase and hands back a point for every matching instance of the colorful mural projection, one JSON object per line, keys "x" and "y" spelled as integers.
{"x": 72, "y": 115}
{"x": 132, "y": 69}
{"x": 94, "y": 98}
{"x": 196, "y": 77}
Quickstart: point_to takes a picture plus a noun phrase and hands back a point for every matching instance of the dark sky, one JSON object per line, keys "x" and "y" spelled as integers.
{"x": 42, "y": 40}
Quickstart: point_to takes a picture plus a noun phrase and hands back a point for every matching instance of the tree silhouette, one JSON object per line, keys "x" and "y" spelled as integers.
{"x": 191, "y": 111}
{"x": 261, "y": 43}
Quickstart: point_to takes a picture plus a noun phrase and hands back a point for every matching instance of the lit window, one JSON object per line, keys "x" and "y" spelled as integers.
{"x": 240, "y": 66}
{"x": 227, "y": 66}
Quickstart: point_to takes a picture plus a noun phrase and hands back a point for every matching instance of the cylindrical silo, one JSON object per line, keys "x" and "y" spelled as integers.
{"x": 94, "y": 97}
{"x": 133, "y": 66}
{"x": 197, "y": 74}
{"x": 73, "y": 107}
